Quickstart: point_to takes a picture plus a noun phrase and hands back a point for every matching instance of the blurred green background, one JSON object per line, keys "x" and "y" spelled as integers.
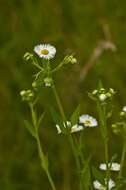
{"x": 71, "y": 26}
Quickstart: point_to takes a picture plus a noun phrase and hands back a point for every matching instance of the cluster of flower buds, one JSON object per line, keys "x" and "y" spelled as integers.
{"x": 102, "y": 94}
{"x": 48, "y": 81}
{"x": 119, "y": 128}
{"x": 28, "y": 56}
{"x": 69, "y": 59}
{"x": 27, "y": 95}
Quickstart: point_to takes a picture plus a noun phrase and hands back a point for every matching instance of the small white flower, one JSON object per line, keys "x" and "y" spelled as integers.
{"x": 22, "y": 93}
{"x": 113, "y": 166}
{"x": 124, "y": 108}
{"x": 74, "y": 128}
{"x": 58, "y": 129}
{"x": 45, "y": 51}
{"x": 88, "y": 121}
{"x": 99, "y": 186}
{"x": 102, "y": 97}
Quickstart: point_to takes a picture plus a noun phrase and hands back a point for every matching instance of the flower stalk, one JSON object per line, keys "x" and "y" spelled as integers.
{"x": 43, "y": 158}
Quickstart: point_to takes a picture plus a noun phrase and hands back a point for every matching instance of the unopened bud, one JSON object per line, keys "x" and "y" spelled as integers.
{"x": 27, "y": 95}
{"x": 27, "y": 56}
{"x": 102, "y": 97}
{"x": 48, "y": 82}
{"x": 124, "y": 108}
{"x": 94, "y": 92}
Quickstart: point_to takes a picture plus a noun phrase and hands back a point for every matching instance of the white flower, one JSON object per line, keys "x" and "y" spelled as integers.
{"x": 74, "y": 128}
{"x": 102, "y": 97}
{"x": 45, "y": 51}
{"x": 113, "y": 166}
{"x": 88, "y": 121}
{"x": 99, "y": 186}
{"x": 124, "y": 108}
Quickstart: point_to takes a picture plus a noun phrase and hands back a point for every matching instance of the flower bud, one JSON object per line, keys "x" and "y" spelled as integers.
{"x": 95, "y": 92}
{"x": 28, "y": 56}
{"x": 27, "y": 95}
{"x": 48, "y": 82}
{"x": 102, "y": 97}
{"x": 124, "y": 108}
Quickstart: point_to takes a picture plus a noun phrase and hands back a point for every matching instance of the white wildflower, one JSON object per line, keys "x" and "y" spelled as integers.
{"x": 74, "y": 128}
{"x": 45, "y": 51}
{"x": 113, "y": 166}
{"x": 88, "y": 121}
{"x": 99, "y": 186}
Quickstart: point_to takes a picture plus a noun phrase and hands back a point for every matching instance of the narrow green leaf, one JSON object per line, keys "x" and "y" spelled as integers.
{"x": 40, "y": 119}
{"x": 30, "y": 128}
{"x": 75, "y": 116}
{"x": 98, "y": 175}
{"x": 58, "y": 120}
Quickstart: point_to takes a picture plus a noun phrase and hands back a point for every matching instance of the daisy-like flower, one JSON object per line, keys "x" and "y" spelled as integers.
{"x": 45, "y": 51}
{"x": 74, "y": 128}
{"x": 124, "y": 108}
{"x": 113, "y": 166}
{"x": 88, "y": 121}
{"x": 99, "y": 186}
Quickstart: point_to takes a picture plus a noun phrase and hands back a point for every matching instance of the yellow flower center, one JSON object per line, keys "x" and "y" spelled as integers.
{"x": 87, "y": 123}
{"x": 44, "y": 51}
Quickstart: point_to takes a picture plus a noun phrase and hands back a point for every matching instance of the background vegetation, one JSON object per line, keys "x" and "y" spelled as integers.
{"x": 71, "y": 26}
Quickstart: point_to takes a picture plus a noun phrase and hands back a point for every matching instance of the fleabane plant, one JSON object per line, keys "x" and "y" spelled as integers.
{"x": 88, "y": 176}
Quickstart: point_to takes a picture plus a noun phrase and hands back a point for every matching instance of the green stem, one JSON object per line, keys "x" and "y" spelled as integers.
{"x": 44, "y": 163}
{"x": 57, "y": 68}
{"x": 35, "y": 63}
{"x": 59, "y": 102}
{"x": 104, "y": 134}
{"x": 43, "y": 159}
{"x": 107, "y": 166}
{"x": 122, "y": 159}
{"x": 74, "y": 149}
